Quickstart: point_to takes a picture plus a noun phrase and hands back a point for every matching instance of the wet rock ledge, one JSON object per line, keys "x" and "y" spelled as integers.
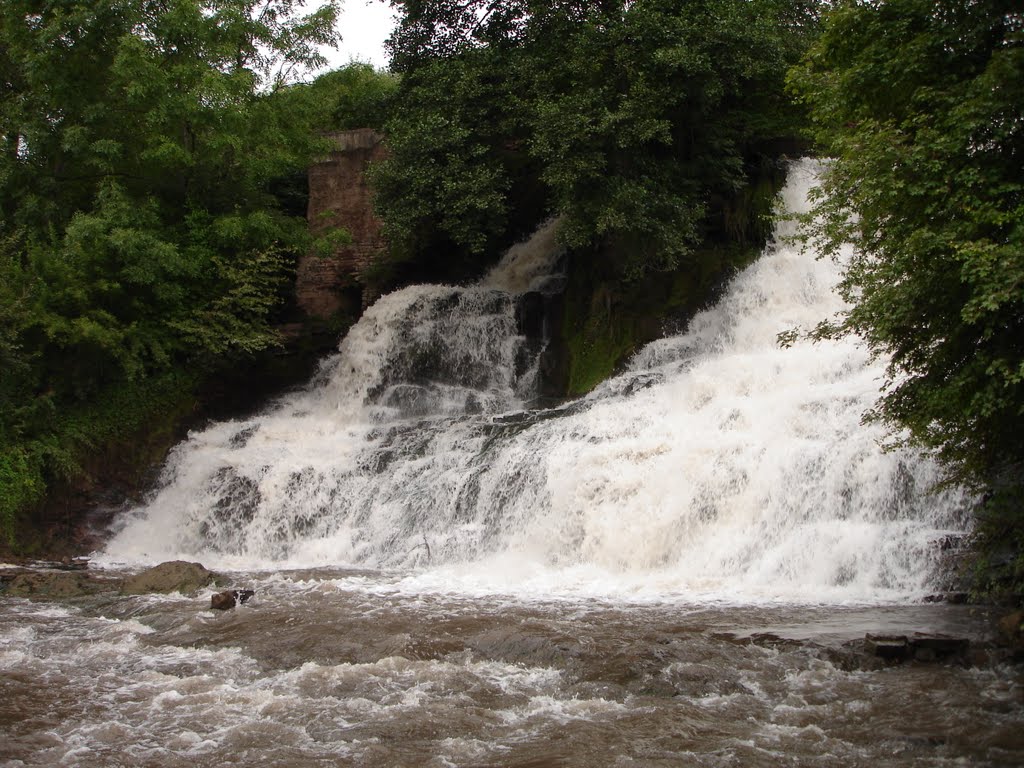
{"x": 69, "y": 579}
{"x": 919, "y": 647}
{"x": 878, "y": 651}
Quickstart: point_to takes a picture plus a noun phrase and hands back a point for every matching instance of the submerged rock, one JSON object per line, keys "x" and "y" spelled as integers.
{"x": 1011, "y": 626}
{"x": 174, "y": 576}
{"x": 939, "y": 647}
{"x": 887, "y": 646}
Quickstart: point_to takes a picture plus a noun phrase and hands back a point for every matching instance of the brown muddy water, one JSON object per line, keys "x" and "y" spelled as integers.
{"x": 328, "y": 668}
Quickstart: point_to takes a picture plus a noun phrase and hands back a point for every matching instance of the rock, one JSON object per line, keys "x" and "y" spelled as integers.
{"x": 175, "y": 576}
{"x": 938, "y": 647}
{"x": 953, "y": 598}
{"x": 893, "y": 647}
{"x": 223, "y": 601}
{"x": 1011, "y": 626}
{"x": 952, "y": 541}
{"x": 226, "y": 600}
{"x": 530, "y": 315}
{"x": 919, "y": 647}
{"x": 73, "y": 563}
{"x": 52, "y": 584}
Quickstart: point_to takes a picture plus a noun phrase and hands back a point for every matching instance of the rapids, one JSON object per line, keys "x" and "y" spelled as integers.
{"x": 326, "y": 669}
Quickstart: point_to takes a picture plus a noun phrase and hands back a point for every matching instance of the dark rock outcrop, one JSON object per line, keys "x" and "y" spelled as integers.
{"x": 887, "y": 646}
{"x": 919, "y": 647}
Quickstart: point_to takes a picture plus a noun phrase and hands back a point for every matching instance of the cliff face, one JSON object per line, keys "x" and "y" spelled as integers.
{"x": 340, "y": 196}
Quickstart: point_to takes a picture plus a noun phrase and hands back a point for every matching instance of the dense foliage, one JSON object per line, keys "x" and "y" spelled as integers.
{"x": 354, "y": 96}
{"x": 139, "y": 144}
{"x": 922, "y": 106}
{"x": 637, "y": 121}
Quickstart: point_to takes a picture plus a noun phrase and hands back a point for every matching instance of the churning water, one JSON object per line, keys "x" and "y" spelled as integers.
{"x": 719, "y": 464}
{"x": 668, "y": 572}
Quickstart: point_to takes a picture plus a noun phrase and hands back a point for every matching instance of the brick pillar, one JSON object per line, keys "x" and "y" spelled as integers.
{"x": 339, "y": 196}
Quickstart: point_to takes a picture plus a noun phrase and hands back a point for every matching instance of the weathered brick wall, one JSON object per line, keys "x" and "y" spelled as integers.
{"x": 339, "y": 196}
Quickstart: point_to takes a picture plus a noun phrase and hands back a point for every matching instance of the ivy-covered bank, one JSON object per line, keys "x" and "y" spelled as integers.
{"x": 107, "y": 453}
{"x": 111, "y": 441}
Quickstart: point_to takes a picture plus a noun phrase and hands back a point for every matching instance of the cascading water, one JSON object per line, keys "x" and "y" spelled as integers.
{"x": 718, "y": 464}
{"x": 720, "y": 500}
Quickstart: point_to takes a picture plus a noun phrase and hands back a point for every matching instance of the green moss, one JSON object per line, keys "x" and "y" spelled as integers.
{"x": 997, "y": 547}
{"x": 606, "y": 321}
{"x": 606, "y": 338}
{"x": 21, "y": 484}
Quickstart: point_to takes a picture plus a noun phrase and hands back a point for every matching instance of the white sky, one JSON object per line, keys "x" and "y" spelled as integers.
{"x": 364, "y": 25}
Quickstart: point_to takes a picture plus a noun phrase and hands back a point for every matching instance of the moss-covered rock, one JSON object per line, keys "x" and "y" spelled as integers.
{"x": 605, "y": 321}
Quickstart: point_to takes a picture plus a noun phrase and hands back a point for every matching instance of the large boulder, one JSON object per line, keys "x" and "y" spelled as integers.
{"x": 175, "y": 576}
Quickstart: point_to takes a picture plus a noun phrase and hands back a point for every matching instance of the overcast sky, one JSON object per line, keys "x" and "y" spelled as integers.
{"x": 365, "y": 25}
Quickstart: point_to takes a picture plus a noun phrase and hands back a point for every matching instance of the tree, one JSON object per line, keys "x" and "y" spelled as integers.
{"x": 634, "y": 120}
{"x": 354, "y": 96}
{"x": 139, "y": 234}
{"x": 921, "y": 105}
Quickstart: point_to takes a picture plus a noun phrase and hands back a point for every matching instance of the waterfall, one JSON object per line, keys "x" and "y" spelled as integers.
{"x": 718, "y": 463}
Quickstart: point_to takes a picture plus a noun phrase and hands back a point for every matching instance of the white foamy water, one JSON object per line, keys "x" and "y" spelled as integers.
{"x": 718, "y": 466}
